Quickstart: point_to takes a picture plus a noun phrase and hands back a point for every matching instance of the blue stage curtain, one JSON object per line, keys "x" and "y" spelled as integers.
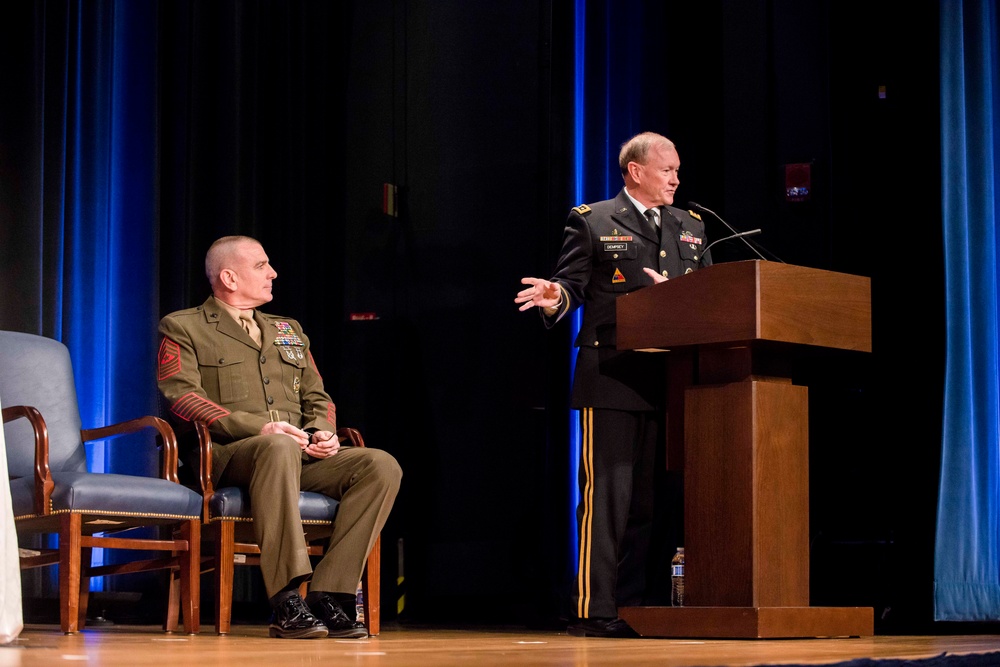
{"x": 967, "y": 559}
{"x": 97, "y": 287}
{"x": 599, "y": 129}
{"x": 79, "y": 215}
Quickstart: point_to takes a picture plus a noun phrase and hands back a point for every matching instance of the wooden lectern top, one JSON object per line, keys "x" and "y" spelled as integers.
{"x": 753, "y": 300}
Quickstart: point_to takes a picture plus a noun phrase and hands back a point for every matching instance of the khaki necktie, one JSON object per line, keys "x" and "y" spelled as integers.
{"x": 250, "y": 326}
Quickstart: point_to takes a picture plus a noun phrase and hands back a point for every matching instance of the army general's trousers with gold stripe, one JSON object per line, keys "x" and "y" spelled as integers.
{"x": 615, "y": 514}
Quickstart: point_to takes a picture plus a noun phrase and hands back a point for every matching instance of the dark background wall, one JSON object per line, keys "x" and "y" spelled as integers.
{"x": 285, "y": 120}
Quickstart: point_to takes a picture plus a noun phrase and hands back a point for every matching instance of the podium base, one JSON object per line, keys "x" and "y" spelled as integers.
{"x": 750, "y": 622}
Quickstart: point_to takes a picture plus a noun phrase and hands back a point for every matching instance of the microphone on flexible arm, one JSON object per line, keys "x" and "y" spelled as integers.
{"x": 736, "y": 234}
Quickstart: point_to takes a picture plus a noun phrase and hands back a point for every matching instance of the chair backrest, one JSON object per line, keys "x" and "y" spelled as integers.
{"x": 37, "y": 371}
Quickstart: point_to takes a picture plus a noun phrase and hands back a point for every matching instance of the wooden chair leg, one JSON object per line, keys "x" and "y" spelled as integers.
{"x": 224, "y": 553}
{"x": 371, "y": 588}
{"x": 69, "y": 572}
{"x": 86, "y": 560}
{"x": 190, "y": 576}
{"x": 173, "y": 602}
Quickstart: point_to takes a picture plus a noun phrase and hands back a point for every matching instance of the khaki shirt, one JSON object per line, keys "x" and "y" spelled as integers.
{"x": 210, "y": 370}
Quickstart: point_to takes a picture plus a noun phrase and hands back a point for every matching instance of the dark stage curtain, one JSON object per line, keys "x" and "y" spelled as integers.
{"x": 967, "y": 556}
{"x": 132, "y": 134}
{"x": 251, "y": 127}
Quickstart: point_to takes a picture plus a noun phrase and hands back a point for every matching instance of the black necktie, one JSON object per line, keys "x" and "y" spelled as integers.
{"x": 651, "y": 213}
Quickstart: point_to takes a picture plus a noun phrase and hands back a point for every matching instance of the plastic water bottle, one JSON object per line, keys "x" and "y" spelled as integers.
{"x": 677, "y": 578}
{"x": 360, "y": 604}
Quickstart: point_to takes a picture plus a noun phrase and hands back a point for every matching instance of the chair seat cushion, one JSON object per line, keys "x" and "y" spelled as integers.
{"x": 105, "y": 493}
{"x": 233, "y": 502}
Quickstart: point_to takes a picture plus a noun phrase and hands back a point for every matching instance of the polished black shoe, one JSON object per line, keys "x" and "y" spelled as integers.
{"x": 293, "y": 620}
{"x": 601, "y": 627}
{"x": 328, "y": 610}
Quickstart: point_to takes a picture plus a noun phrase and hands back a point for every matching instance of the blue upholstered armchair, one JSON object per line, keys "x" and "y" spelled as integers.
{"x": 52, "y": 491}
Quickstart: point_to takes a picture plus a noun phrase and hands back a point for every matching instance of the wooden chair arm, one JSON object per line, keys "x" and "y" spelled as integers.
{"x": 165, "y": 434}
{"x": 205, "y": 465}
{"x": 352, "y": 435}
{"x": 43, "y": 475}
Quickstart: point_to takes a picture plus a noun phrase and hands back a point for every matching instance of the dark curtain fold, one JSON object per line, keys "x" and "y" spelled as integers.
{"x": 252, "y": 140}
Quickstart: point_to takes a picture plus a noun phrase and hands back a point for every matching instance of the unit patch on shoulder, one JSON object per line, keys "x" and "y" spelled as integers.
{"x": 581, "y": 209}
{"x": 168, "y": 359}
{"x": 694, "y": 215}
{"x": 618, "y": 277}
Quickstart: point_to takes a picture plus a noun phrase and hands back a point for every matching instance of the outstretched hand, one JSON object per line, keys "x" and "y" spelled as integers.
{"x": 541, "y": 293}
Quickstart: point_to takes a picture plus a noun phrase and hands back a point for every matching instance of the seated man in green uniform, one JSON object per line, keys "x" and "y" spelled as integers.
{"x": 251, "y": 378}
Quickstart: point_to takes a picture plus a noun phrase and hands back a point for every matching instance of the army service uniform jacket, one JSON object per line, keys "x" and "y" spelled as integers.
{"x": 210, "y": 370}
{"x": 606, "y": 245}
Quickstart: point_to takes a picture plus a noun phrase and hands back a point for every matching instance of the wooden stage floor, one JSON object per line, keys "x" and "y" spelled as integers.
{"x": 437, "y": 647}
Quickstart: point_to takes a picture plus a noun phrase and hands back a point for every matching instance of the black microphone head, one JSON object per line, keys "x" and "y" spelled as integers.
{"x": 692, "y": 204}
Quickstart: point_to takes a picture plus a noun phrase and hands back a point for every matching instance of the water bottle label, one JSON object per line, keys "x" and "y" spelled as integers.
{"x": 677, "y": 570}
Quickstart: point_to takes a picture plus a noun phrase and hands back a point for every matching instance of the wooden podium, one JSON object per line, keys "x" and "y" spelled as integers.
{"x": 733, "y": 330}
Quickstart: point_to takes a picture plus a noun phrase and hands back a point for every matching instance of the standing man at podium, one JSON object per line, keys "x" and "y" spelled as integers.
{"x": 611, "y": 248}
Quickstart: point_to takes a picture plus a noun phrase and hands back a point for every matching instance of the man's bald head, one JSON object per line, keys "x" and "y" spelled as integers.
{"x": 240, "y": 272}
{"x": 223, "y": 254}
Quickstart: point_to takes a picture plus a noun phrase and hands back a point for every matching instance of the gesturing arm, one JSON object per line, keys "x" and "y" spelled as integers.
{"x": 565, "y": 291}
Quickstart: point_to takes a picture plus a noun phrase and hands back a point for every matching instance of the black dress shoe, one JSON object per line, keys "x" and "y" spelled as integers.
{"x": 601, "y": 627}
{"x": 337, "y": 623}
{"x": 293, "y": 620}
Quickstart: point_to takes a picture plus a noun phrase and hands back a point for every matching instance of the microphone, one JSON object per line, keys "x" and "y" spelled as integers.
{"x": 736, "y": 234}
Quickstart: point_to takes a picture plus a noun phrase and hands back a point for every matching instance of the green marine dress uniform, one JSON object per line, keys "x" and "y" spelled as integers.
{"x": 620, "y": 394}
{"x": 209, "y": 369}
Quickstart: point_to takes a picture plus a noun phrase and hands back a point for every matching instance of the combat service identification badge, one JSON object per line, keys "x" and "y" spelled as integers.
{"x": 618, "y": 277}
